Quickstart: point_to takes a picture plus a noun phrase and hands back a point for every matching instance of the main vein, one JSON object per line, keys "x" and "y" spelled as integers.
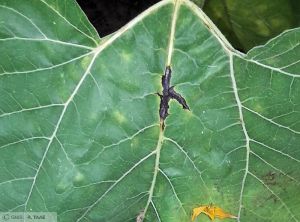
{"x": 156, "y": 167}
{"x": 172, "y": 34}
{"x": 161, "y": 134}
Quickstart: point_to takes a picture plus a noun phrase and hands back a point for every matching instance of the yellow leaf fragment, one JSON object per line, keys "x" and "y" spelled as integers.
{"x": 211, "y": 211}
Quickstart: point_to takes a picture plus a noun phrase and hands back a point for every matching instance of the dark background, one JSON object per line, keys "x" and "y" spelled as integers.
{"x": 109, "y": 16}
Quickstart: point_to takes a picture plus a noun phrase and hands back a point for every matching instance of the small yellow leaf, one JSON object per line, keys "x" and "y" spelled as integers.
{"x": 211, "y": 211}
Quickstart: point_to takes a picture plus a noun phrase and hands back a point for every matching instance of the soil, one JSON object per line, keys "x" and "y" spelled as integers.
{"x": 108, "y": 16}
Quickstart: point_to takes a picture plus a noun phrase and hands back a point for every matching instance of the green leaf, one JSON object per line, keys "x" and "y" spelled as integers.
{"x": 249, "y": 23}
{"x": 80, "y": 130}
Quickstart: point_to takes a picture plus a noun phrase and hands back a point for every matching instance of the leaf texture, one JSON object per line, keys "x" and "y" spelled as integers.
{"x": 79, "y": 121}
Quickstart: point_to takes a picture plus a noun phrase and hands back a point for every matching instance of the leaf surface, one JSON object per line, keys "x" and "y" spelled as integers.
{"x": 79, "y": 124}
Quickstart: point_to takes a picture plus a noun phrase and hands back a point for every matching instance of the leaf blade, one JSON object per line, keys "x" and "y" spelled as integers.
{"x": 104, "y": 150}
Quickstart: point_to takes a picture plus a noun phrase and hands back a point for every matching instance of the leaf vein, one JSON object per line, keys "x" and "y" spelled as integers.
{"x": 68, "y": 22}
{"x": 30, "y": 109}
{"x": 271, "y": 121}
{"x": 173, "y": 190}
{"x": 46, "y": 68}
{"x": 24, "y": 16}
{"x": 46, "y": 40}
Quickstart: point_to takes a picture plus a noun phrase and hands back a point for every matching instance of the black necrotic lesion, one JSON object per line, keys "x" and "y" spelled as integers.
{"x": 169, "y": 93}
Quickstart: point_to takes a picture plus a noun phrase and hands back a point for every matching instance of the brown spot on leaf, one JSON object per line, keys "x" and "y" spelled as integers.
{"x": 270, "y": 178}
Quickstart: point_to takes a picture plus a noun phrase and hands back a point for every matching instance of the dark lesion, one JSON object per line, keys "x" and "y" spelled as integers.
{"x": 169, "y": 93}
